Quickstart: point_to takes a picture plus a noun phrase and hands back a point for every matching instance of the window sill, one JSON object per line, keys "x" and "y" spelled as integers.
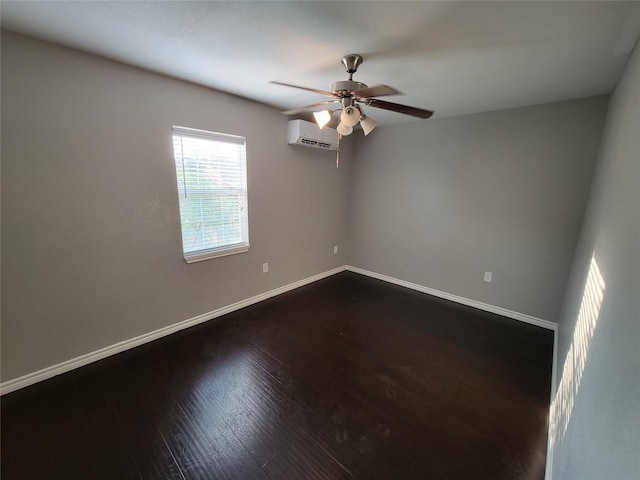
{"x": 201, "y": 255}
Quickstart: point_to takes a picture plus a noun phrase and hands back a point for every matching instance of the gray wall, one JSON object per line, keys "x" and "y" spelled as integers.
{"x": 440, "y": 202}
{"x": 91, "y": 238}
{"x": 596, "y": 412}
{"x": 91, "y": 251}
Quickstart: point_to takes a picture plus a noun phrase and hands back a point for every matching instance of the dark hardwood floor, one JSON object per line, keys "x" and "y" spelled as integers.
{"x": 345, "y": 378}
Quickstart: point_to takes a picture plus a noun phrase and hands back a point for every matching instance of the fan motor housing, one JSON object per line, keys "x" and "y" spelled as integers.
{"x": 347, "y": 86}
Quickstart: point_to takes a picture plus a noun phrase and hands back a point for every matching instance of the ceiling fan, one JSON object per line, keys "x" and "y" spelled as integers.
{"x": 349, "y": 94}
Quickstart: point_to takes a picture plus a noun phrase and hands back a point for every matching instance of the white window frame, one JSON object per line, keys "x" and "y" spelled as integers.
{"x": 226, "y": 249}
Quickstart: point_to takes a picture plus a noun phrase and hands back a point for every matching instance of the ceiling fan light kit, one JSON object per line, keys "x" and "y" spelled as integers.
{"x": 367, "y": 125}
{"x": 344, "y": 130}
{"x": 350, "y": 116}
{"x": 349, "y": 93}
{"x": 322, "y": 117}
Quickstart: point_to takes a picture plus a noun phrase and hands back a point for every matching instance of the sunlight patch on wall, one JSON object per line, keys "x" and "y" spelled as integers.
{"x": 578, "y": 351}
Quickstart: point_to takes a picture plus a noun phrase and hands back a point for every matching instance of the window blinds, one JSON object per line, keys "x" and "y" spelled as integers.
{"x": 212, "y": 187}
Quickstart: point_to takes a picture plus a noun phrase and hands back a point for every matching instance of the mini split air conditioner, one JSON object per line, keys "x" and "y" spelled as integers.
{"x": 309, "y": 134}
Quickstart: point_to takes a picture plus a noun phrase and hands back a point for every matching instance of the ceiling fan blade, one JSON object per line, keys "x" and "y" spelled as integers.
{"x": 315, "y": 90}
{"x": 308, "y": 107}
{"x": 375, "y": 91}
{"x": 396, "y": 107}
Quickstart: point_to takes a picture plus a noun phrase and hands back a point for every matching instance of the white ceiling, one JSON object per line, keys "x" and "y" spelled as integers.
{"x": 452, "y": 57}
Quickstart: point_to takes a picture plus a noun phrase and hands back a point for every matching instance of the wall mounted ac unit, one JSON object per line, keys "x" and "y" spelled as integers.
{"x": 307, "y": 134}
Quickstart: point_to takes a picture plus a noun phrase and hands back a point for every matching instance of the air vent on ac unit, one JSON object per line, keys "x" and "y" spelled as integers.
{"x": 309, "y": 134}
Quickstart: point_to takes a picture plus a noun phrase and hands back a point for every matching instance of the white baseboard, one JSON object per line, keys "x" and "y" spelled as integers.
{"x": 66, "y": 366}
{"x": 455, "y": 298}
{"x": 493, "y": 309}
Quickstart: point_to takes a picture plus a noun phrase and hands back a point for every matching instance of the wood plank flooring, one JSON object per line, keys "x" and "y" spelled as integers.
{"x": 346, "y": 378}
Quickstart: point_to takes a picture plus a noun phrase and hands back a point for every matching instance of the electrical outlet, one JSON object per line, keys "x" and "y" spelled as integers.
{"x": 265, "y": 268}
{"x": 335, "y": 249}
{"x": 488, "y": 276}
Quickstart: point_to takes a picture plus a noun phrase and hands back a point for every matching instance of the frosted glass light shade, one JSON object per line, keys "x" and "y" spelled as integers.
{"x": 350, "y": 116}
{"x": 322, "y": 118}
{"x": 343, "y": 129}
{"x": 367, "y": 125}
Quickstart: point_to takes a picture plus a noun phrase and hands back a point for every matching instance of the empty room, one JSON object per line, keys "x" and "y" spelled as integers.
{"x": 320, "y": 240}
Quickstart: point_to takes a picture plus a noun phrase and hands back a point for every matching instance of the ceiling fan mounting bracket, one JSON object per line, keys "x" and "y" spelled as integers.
{"x": 352, "y": 62}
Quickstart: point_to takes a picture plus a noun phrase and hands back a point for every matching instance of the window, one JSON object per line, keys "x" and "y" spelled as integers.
{"x": 211, "y": 170}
